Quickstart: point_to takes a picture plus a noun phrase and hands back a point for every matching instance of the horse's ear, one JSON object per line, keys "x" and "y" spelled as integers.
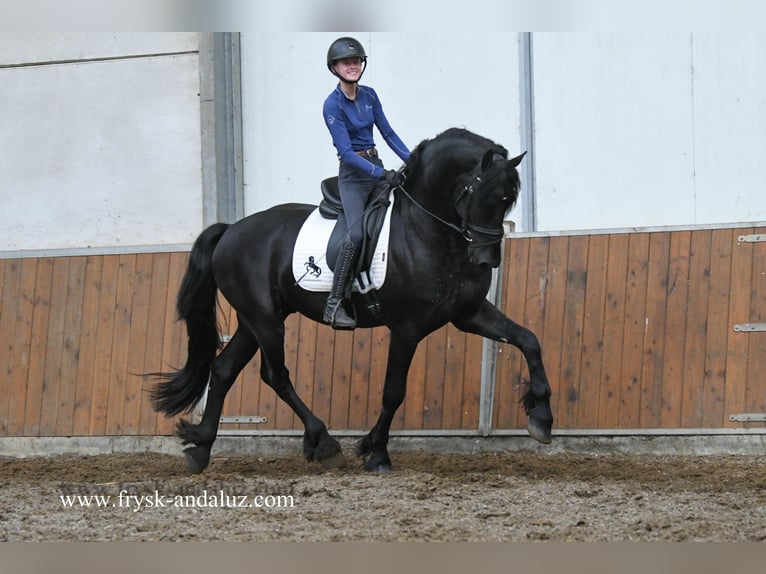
{"x": 486, "y": 161}
{"x": 515, "y": 161}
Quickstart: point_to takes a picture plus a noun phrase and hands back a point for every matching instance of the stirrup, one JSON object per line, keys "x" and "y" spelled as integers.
{"x": 335, "y": 315}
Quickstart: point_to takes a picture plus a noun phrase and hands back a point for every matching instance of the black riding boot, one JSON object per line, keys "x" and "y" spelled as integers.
{"x": 334, "y": 313}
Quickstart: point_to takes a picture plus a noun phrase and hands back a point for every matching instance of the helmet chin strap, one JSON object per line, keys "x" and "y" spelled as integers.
{"x": 337, "y": 75}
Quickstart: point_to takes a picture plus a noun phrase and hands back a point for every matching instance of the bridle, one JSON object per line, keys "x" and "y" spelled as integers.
{"x": 466, "y": 229}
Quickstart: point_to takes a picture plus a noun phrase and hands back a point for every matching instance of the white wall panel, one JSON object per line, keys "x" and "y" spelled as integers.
{"x": 427, "y": 82}
{"x": 100, "y": 154}
{"x": 34, "y": 47}
{"x": 649, "y": 129}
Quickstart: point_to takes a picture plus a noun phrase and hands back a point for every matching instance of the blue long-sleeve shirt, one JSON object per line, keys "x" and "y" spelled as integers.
{"x": 350, "y": 123}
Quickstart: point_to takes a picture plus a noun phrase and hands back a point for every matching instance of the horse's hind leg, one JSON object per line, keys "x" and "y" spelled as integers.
{"x": 317, "y": 443}
{"x": 224, "y": 371}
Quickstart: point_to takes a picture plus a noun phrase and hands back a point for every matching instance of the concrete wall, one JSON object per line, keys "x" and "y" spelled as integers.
{"x": 101, "y": 140}
{"x": 426, "y": 81}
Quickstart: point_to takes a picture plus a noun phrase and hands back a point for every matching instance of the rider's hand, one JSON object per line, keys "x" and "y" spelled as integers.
{"x": 391, "y": 177}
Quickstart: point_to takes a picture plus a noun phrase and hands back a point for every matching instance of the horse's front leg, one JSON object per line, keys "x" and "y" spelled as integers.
{"x": 489, "y": 322}
{"x": 374, "y": 446}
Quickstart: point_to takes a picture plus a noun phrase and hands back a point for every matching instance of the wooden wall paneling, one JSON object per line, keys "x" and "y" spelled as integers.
{"x": 675, "y": 326}
{"x": 572, "y": 332}
{"x": 10, "y": 348}
{"x": 23, "y": 355}
{"x": 718, "y": 330}
{"x": 378, "y": 363}
{"x": 54, "y": 350}
{"x": 71, "y": 358}
{"x": 696, "y": 330}
{"x": 38, "y": 346}
{"x": 137, "y": 334}
{"x": 153, "y": 340}
{"x": 322, "y": 386}
{"x": 654, "y": 337}
{"x": 341, "y": 379}
{"x": 433, "y": 389}
{"x": 469, "y": 418}
{"x": 755, "y": 386}
{"x": 553, "y": 336}
{"x": 305, "y": 364}
{"x": 123, "y": 314}
{"x": 454, "y": 377}
{"x": 174, "y": 339}
{"x": 107, "y": 298}
{"x": 360, "y": 379}
{"x": 86, "y": 346}
{"x": 634, "y": 330}
{"x": 614, "y": 323}
{"x": 593, "y": 332}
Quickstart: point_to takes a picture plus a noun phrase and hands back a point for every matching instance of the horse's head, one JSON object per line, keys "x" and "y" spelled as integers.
{"x": 482, "y": 198}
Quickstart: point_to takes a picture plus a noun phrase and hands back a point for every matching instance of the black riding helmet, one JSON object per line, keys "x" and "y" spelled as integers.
{"x": 345, "y": 47}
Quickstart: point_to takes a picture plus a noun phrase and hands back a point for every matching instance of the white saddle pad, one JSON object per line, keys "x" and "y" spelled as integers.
{"x": 310, "y": 267}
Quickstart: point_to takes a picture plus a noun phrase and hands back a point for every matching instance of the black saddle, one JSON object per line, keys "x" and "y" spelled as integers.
{"x": 331, "y": 207}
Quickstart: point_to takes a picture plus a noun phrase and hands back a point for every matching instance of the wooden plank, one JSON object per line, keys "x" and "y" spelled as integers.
{"x": 739, "y": 312}
{"x": 118, "y": 367}
{"x": 153, "y": 343}
{"x": 718, "y": 329}
{"x": 38, "y": 346}
{"x": 54, "y": 349}
{"x": 654, "y": 338}
{"x": 454, "y": 378}
{"x": 510, "y": 382}
{"x": 174, "y": 339}
{"x": 433, "y": 390}
{"x": 341, "y": 379}
{"x": 614, "y": 321}
{"x": 10, "y": 348}
{"x": 139, "y": 327}
{"x": 553, "y": 337}
{"x": 306, "y": 361}
{"x": 675, "y": 329}
{"x": 360, "y": 378}
{"x": 755, "y": 386}
{"x": 323, "y": 372}
{"x": 83, "y": 393}
{"x": 634, "y": 330}
{"x": 23, "y": 335}
{"x": 107, "y": 298}
{"x": 593, "y": 332}
{"x": 572, "y": 332}
{"x": 696, "y": 330}
{"x": 381, "y": 338}
{"x": 472, "y": 382}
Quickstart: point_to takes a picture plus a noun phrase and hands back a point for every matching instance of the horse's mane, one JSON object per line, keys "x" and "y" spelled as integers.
{"x": 457, "y": 147}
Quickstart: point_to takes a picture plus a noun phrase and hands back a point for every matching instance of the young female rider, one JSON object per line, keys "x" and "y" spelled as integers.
{"x": 349, "y": 112}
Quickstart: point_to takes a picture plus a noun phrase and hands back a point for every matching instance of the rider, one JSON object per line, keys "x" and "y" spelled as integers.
{"x": 349, "y": 112}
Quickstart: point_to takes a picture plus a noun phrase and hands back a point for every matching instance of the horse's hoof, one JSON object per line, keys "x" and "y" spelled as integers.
{"x": 338, "y": 460}
{"x": 377, "y": 463}
{"x": 539, "y": 427}
{"x": 197, "y": 459}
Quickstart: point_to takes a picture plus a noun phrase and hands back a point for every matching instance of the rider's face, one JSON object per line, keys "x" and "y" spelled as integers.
{"x": 349, "y": 69}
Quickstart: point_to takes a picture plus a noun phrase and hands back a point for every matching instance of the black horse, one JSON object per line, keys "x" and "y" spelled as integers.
{"x": 446, "y": 230}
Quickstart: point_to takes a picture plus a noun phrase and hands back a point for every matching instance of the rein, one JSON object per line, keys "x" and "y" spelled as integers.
{"x": 467, "y": 228}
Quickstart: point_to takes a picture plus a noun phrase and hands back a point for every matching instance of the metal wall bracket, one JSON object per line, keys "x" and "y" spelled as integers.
{"x": 749, "y": 327}
{"x": 757, "y": 238}
{"x": 748, "y": 418}
{"x": 243, "y": 420}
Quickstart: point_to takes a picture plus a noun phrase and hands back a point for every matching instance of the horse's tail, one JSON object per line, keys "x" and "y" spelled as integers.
{"x": 196, "y": 305}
